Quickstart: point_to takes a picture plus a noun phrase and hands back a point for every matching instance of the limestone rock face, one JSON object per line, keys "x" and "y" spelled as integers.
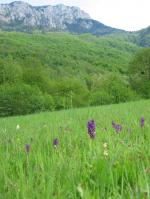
{"x": 21, "y": 16}
{"x": 47, "y": 17}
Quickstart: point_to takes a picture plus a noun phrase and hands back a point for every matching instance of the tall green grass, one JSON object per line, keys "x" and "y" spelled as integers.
{"x": 78, "y": 167}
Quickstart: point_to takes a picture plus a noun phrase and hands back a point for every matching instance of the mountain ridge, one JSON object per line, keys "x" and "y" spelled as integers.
{"x": 21, "y": 16}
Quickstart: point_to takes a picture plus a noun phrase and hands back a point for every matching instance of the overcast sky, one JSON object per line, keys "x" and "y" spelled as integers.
{"x": 125, "y": 14}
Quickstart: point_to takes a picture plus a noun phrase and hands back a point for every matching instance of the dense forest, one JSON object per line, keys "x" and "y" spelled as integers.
{"x": 53, "y": 71}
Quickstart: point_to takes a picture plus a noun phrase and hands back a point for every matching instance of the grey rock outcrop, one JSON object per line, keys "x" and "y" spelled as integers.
{"x": 21, "y": 16}
{"x": 47, "y": 17}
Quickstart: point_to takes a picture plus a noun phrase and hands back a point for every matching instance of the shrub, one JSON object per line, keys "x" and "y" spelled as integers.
{"x": 139, "y": 72}
{"x": 112, "y": 89}
{"x": 23, "y": 99}
{"x": 49, "y": 104}
{"x": 101, "y": 98}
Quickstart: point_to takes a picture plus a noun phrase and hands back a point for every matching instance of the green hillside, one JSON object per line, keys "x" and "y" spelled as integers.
{"x": 67, "y": 53}
{"x": 41, "y": 72}
{"x": 144, "y": 37}
{"x": 140, "y": 38}
{"x": 113, "y": 165}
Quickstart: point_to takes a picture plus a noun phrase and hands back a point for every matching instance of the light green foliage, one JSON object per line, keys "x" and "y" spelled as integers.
{"x": 78, "y": 167}
{"x": 75, "y": 92}
{"x": 10, "y": 72}
{"x": 112, "y": 89}
{"x": 23, "y": 99}
{"x": 101, "y": 97}
{"x": 37, "y": 76}
{"x": 62, "y": 65}
{"x": 139, "y": 72}
{"x": 68, "y": 54}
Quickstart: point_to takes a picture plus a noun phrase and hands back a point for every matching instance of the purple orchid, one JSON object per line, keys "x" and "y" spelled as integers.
{"x": 91, "y": 129}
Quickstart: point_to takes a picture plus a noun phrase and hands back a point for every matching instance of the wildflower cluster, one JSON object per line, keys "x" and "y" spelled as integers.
{"x": 91, "y": 126}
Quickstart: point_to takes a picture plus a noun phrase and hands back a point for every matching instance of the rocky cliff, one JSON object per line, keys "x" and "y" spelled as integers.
{"x": 21, "y": 16}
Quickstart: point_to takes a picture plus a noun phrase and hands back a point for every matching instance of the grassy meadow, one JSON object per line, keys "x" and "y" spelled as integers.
{"x": 111, "y": 166}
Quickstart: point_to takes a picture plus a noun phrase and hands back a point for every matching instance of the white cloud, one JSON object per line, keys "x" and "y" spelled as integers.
{"x": 124, "y": 14}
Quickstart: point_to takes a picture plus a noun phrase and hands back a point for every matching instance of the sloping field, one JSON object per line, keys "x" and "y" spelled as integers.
{"x": 115, "y": 164}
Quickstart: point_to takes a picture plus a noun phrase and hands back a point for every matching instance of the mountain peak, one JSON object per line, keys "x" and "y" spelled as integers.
{"x": 18, "y": 3}
{"x": 21, "y": 16}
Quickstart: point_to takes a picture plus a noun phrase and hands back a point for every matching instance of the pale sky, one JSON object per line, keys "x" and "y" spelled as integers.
{"x": 124, "y": 14}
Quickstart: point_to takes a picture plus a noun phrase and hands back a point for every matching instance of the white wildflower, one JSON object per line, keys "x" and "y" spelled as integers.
{"x": 17, "y": 127}
{"x": 105, "y": 153}
{"x": 105, "y": 145}
{"x": 80, "y": 190}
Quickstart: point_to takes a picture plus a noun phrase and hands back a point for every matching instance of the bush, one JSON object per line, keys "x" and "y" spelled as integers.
{"x": 119, "y": 89}
{"x": 23, "y": 99}
{"x": 49, "y": 104}
{"x": 71, "y": 92}
{"x": 101, "y": 98}
{"x": 112, "y": 89}
{"x": 139, "y": 72}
